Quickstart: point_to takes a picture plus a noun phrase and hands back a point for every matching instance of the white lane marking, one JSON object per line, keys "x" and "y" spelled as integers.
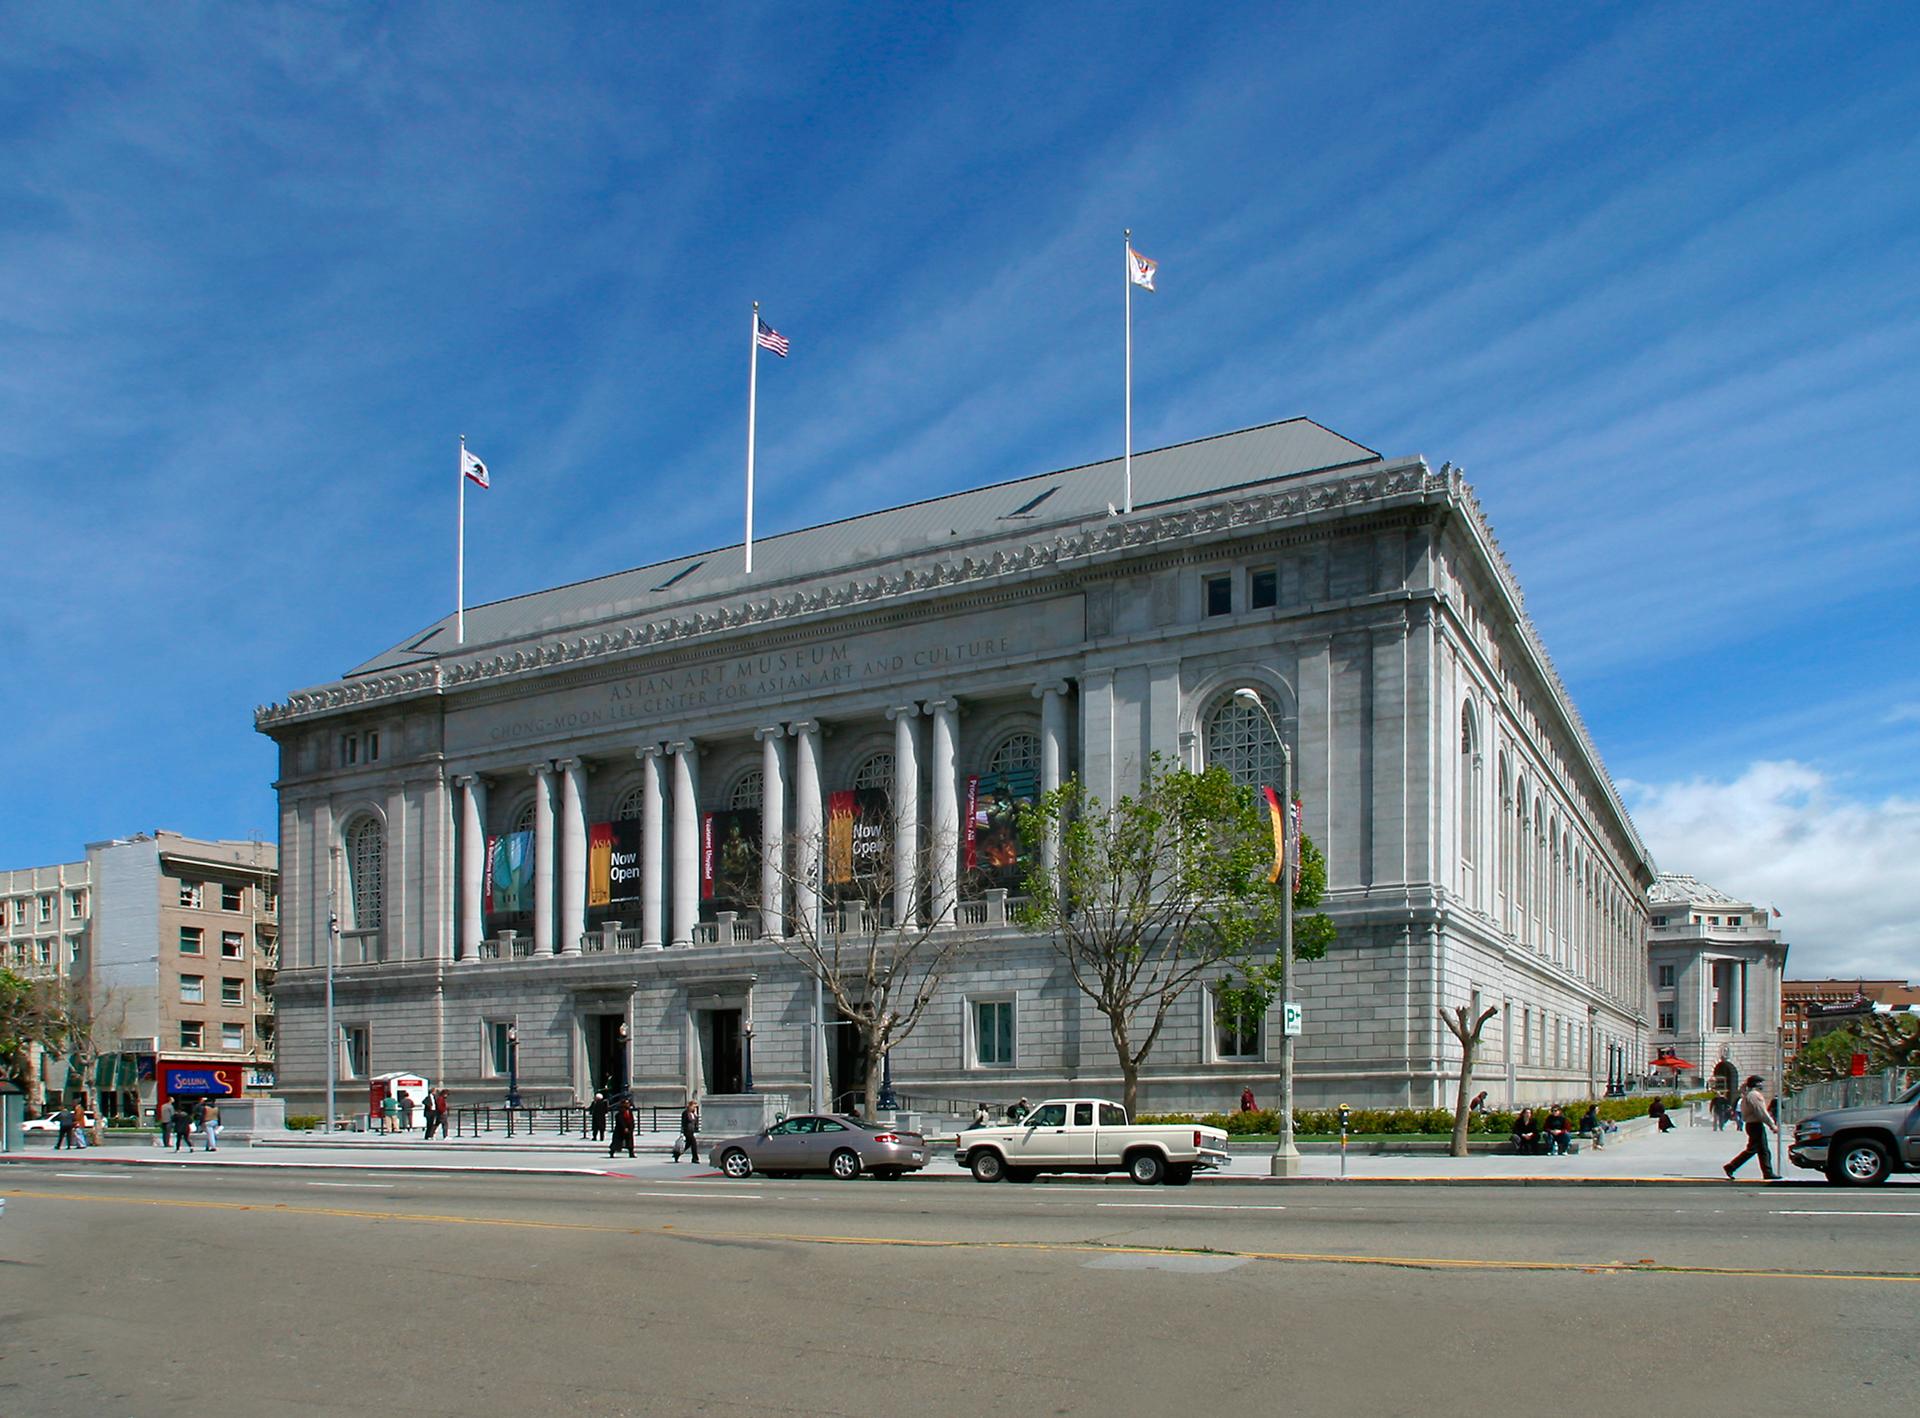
{"x": 359, "y": 1186}
{"x": 1189, "y": 1206}
{"x": 97, "y": 1176}
{"x": 718, "y": 1196}
{"x": 1824, "y": 1212}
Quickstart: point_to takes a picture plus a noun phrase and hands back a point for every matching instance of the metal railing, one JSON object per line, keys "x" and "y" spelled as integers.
{"x": 558, "y": 1120}
{"x": 1874, "y": 1089}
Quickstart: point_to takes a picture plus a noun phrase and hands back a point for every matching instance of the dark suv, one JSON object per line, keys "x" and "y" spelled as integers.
{"x": 1859, "y": 1147}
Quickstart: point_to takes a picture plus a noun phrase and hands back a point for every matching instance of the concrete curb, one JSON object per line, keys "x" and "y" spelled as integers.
{"x": 249, "y": 1164}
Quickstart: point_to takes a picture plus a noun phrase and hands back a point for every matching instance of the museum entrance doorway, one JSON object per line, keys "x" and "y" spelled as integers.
{"x": 847, "y": 1066}
{"x": 720, "y": 1034}
{"x": 607, "y": 1059}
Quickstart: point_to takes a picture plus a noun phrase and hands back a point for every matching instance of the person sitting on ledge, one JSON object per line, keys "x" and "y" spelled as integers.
{"x": 1657, "y": 1110}
{"x": 1526, "y": 1133}
{"x": 1559, "y": 1136}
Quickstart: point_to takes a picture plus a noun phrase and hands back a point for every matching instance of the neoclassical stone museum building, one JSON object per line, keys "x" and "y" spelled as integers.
{"x": 545, "y": 826}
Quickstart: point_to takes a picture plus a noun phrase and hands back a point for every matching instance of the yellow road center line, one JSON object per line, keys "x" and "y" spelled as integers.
{"x": 934, "y": 1243}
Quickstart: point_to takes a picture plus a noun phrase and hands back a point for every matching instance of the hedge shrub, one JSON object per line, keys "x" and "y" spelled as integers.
{"x": 1390, "y": 1122}
{"x": 302, "y": 1122}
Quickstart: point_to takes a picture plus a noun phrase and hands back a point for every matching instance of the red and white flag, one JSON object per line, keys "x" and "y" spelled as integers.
{"x": 769, "y": 338}
{"x": 1139, "y": 269}
{"x": 473, "y": 468}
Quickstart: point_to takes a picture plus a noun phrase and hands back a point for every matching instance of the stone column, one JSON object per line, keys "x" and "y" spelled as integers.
{"x": 473, "y": 865}
{"x": 809, "y": 821}
{"x": 542, "y": 858}
{"x": 906, "y": 813}
{"x": 1053, "y": 755}
{"x": 686, "y": 841}
{"x": 653, "y": 852}
{"x": 943, "y": 847}
{"x": 773, "y": 829}
{"x": 573, "y": 854}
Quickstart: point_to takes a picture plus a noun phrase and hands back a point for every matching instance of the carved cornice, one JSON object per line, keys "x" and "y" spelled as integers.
{"x": 1063, "y": 551}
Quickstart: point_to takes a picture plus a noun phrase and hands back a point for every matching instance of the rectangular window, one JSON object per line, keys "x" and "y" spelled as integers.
{"x": 232, "y": 945}
{"x": 1659, "y": 920}
{"x": 1713, "y": 920}
{"x": 1733, "y": 920}
{"x": 190, "y": 938}
{"x": 232, "y": 898}
{"x": 230, "y": 990}
{"x": 358, "y": 1055}
{"x": 191, "y": 1034}
{"x": 1236, "y": 1033}
{"x": 1219, "y": 595}
{"x": 349, "y": 750}
{"x": 1666, "y": 1019}
{"x": 233, "y": 1036}
{"x": 76, "y": 904}
{"x": 1725, "y": 993}
{"x": 46, "y": 908}
{"x": 46, "y": 952}
{"x": 373, "y": 746}
{"x": 73, "y": 950}
{"x": 1263, "y": 589}
{"x": 497, "y": 1047}
{"x": 190, "y": 894}
{"x": 1666, "y": 977}
{"x": 993, "y": 1033}
{"x": 193, "y": 989}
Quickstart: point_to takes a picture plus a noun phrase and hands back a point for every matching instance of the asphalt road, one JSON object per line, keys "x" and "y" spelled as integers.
{"x": 160, "y": 1292}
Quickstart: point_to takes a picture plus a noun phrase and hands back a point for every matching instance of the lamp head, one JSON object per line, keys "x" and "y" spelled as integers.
{"x": 1248, "y": 696}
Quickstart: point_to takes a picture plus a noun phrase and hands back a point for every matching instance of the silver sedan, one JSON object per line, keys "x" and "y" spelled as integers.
{"x": 822, "y": 1142}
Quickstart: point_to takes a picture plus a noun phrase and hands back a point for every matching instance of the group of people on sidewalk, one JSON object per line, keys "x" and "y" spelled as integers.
{"x": 398, "y": 1107}
{"x": 1550, "y": 1134}
{"x": 625, "y": 1124}
{"x": 186, "y": 1116}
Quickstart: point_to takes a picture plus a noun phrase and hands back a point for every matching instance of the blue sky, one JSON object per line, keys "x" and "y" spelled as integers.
{"x": 1647, "y": 272}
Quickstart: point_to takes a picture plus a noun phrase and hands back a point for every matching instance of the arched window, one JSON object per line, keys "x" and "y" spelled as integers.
{"x": 1018, "y": 753}
{"x": 1240, "y": 738}
{"x": 523, "y": 820}
{"x": 747, "y": 789}
{"x": 875, "y": 771}
{"x": 366, "y": 871}
{"x": 631, "y": 803}
{"x": 1503, "y": 862}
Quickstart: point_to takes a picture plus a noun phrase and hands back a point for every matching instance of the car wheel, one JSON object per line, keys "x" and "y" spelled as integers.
{"x": 736, "y": 1164}
{"x": 1179, "y": 1174}
{"x": 845, "y": 1165}
{"x": 988, "y": 1166}
{"x": 1146, "y": 1168}
{"x": 1859, "y": 1163}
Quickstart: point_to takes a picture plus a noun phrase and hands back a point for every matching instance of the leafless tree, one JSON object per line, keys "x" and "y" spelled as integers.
{"x": 1463, "y": 1026}
{"x": 881, "y": 973}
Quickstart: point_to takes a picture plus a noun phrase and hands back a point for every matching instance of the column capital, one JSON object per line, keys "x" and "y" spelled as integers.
{"x": 945, "y": 701}
{"x": 540, "y": 770}
{"x": 909, "y": 710}
{"x": 563, "y": 764}
{"x": 648, "y": 750}
{"x": 1058, "y": 686}
{"x": 679, "y": 746}
{"x": 770, "y": 731}
{"x": 801, "y": 727}
{"x": 469, "y": 780}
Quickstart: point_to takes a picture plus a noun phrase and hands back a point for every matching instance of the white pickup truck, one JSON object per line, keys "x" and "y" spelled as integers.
{"x": 1088, "y": 1135}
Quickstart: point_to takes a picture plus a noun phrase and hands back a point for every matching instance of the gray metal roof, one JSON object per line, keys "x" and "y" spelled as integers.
{"x": 1010, "y": 510}
{"x": 1678, "y": 888}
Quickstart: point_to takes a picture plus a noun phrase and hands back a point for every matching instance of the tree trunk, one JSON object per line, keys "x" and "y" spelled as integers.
{"x": 1458, "y": 1148}
{"x": 1129, "y": 1085}
{"x": 876, "y": 1060}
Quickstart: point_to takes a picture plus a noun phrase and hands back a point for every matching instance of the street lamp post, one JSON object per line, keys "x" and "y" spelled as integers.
{"x": 333, "y": 949}
{"x": 626, "y": 1062}
{"x": 513, "y": 1072}
{"x": 1285, "y": 1161}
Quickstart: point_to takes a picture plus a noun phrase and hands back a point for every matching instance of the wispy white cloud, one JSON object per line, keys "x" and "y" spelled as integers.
{"x": 1840, "y": 869}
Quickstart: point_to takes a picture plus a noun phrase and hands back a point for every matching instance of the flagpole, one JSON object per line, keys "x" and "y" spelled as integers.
{"x": 1127, "y": 260}
{"x": 753, "y": 390}
{"x": 460, "y": 557}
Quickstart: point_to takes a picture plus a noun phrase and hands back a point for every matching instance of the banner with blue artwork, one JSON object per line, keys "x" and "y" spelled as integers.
{"x": 509, "y": 893}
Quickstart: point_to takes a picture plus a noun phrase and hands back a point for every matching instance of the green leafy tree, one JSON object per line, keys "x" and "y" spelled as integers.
{"x": 1157, "y": 891}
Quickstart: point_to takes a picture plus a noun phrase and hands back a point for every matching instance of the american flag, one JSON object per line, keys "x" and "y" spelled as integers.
{"x": 771, "y": 339}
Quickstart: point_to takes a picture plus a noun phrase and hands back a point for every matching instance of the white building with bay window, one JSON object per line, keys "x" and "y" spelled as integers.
{"x": 561, "y": 823}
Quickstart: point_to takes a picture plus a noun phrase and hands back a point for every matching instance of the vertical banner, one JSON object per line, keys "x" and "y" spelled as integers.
{"x": 729, "y": 854}
{"x": 993, "y": 844}
{"x": 623, "y": 862}
{"x": 857, "y": 834}
{"x": 599, "y": 864}
{"x": 509, "y": 891}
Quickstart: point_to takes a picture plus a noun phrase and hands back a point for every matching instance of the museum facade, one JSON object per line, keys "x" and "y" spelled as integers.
{"x": 565, "y": 830}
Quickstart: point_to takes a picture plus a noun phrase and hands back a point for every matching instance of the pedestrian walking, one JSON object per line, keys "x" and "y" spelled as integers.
{"x": 429, "y": 1115}
{"x": 64, "y": 1117}
{"x": 597, "y": 1114}
{"x": 623, "y": 1127}
{"x": 406, "y": 1112}
{"x": 689, "y": 1131}
{"x": 442, "y": 1107}
{"x": 1754, "y": 1114}
{"x": 182, "y": 1125}
{"x": 210, "y": 1123}
{"x": 1246, "y": 1099}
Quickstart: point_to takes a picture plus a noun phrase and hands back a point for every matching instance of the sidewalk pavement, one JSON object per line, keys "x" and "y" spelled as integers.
{"x": 1686, "y": 1155}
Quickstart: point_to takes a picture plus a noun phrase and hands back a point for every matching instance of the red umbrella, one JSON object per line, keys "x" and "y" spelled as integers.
{"x": 1672, "y": 1061}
